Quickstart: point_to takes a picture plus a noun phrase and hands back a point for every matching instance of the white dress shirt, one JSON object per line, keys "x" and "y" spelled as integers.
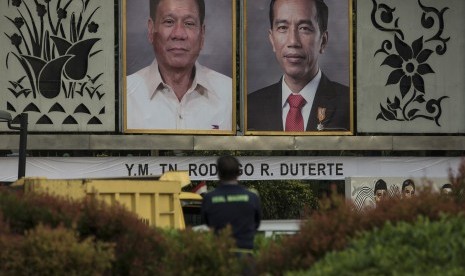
{"x": 308, "y": 93}
{"x": 152, "y": 104}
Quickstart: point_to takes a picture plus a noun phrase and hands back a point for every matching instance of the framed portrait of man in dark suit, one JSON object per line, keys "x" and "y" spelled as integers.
{"x": 179, "y": 65}
{"x": 298, "y": 74}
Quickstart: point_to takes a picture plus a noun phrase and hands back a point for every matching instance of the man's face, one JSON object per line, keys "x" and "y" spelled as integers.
{"x": 176, "y": 34}
{"x": 296, "y": 38}
{"x": 409, "y": 191}
{"x": 380, "y": 195}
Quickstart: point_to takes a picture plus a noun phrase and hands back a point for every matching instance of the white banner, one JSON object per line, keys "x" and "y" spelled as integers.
{"x": 253, "y": 167}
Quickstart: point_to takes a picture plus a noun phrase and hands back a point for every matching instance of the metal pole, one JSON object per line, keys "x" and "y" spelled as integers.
{"x": 22, "y": 145}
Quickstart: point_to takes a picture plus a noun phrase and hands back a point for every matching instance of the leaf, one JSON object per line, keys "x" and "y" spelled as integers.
{"x": 395, "y": 76}
{"x": 94, "y": 53}
{"x": 26, "y": 66}
{"x": 81, "y": 91}
{"x": 380, "y": 116}
{"x": 420, "y": 98}
{"x": 412, "y": 112}
{"x": 25, "y": 91}
{"x": 394, "y": 105}
{"x": 76, "y": 67}
{"x": 50, "y": 77}
{"x": 47, "y": 47}
{"x": 94, "y": 79}
{"x": 403, "y": 49}
{"x": 62, "y": 44}
{"x": 74, "y": 34}
{"x": 418, "y": 83}
{"x": 387, "y": 114}
{"x": 81, "y": 35}
{"x": 424, "y": 55}
{"x": 12, "y": 91}
{"x": 100, "y": 95}
{"x": 397, "y": 102}
{"x": 424, "y": 69}
{"x": 6, "y": 60}
{"x": 405, "y": 85}
{"x": 417, "y": 46}
{"x": 395, "y": 61}
{"x": 37, "y": 64}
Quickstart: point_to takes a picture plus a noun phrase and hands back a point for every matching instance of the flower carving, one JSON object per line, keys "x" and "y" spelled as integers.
{"x": 54, "y": 46}
{"x": 62, "y": 13}
{"x": 18, "y": 22}
{"x": 41, "y": 10}
{"x": 409, "y": 65}
{"x": 16, "y": 3}
{"x": 93, "y": 27}
{"x": 16, "y": 40}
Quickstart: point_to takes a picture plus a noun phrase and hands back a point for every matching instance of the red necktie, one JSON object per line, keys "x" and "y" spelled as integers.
{"x": 294, "y": 119}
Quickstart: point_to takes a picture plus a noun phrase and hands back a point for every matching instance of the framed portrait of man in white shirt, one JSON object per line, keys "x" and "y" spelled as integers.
{"x": 179, "y": 69}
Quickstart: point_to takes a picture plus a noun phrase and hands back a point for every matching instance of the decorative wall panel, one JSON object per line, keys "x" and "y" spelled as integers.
{"x": 410, "y": 66}
{"x": 57, "y": 64}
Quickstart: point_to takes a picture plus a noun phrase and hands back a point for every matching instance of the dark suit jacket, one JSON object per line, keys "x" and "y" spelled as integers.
{"x": 264, "y": 110}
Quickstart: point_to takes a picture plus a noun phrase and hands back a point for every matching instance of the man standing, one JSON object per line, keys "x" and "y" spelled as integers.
{"x": 175, "y": 91}
{"x": 304, "y": 99}
{"x": 232, "y": 204}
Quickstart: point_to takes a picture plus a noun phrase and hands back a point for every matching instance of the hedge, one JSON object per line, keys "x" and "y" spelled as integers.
{"x": 423, "y": 248}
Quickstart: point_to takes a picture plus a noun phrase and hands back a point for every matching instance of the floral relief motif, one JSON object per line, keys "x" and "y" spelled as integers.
{"x": 409, "y": 64}
{"x": 54, "y": 56}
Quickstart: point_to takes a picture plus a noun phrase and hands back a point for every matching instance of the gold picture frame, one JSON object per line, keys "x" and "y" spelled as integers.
{"x": 218, "y": 53}
{"x": 261, "y": 68}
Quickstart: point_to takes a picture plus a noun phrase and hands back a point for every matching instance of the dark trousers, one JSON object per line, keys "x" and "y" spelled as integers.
{"x": 246, "y": 259}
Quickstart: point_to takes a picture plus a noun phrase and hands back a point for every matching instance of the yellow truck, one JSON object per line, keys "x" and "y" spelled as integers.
{"x": 158, "y": 201}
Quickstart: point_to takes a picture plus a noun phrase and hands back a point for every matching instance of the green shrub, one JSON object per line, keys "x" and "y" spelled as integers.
{"x": 26, "y": 211}
{"x": 288, "y": 199}
{"x": 422, "y": 248}
{"x": 458, "y": 183}
{"x": 45, "y": 251}
{"x": 262, "y": 243}
{"x": 200, "y": 253}
{"x": 280, "y": 199}
{"x": 138, "y": 248}
{"x": 10, "y": 259}
{"x": 331, "y": 227}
